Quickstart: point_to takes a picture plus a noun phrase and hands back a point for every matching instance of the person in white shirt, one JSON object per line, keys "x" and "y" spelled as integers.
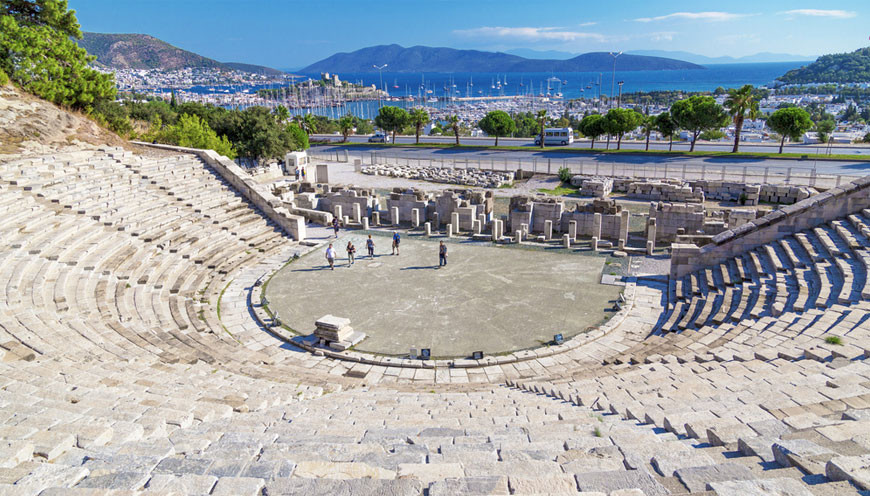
{"x": 330, "y": 256}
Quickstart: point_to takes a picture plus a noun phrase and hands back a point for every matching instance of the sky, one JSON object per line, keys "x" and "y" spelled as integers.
{"x": 291, "y": 34}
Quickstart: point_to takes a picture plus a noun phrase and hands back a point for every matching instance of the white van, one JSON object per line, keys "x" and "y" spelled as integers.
{"x": 556, "y": 136}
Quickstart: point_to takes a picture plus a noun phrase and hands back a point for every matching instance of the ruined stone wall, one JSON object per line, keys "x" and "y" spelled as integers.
{"x": 813, "y": 211}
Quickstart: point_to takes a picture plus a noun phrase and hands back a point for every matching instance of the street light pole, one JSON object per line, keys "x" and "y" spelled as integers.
{"x": 619, "y": 100}
{"x": 613, "y": 81}
{"x": 381, "y": 73}
{"x": 598, "y": 84}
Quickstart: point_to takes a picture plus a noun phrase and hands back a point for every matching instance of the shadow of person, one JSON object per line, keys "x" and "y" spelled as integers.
{"x": 420, "y": 267}
{"x": 316, "y": 268}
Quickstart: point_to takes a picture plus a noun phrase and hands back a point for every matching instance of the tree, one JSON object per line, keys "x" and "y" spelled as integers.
{"x": 453, "y": 120}
{"x": 824, "y": 128}
{"x": 258, "y": 136}
{"x": 527, "y": 126}
{"x": 364, "y": 126}
{"x": 419, "y": 118}
{"x": 39, "y": 54}
{"x": 497, "y": 123}
{"x": 282, "y": 114}
{"x": 698, "y": 114}
{"x": 740, "y": 105}
{"x": 309, "y": 124}
{"x": 392, "y": 119}
{"x": 345, "y": 125}
{"x": 593, "y": 126}
{"x": 619, "y": 121}
{"x": 648, "y": 125}
{"x": 54, "y": 14}
{"x": 298, "y": 137}
{"x": 790, "y": 122}
{"x": 191, "y": 131}
{"x": 665, "y": 124}
{"x": 541, "y": 117}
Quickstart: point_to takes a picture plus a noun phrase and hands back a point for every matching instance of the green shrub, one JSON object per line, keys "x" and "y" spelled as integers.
{"x": 834, "y": 340}
{"x": 565, "y": 175}
{"x": 4, "y": 79}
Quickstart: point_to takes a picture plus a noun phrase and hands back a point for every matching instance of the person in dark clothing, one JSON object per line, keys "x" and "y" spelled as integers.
{"x": 335, "y": 225}
{"x": 370, "y": 246}
{"x": 442, "y": 254}
{"x": 396, "y": 240}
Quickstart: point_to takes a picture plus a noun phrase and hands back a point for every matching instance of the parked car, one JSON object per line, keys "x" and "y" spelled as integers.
{"x": 379, "y": 137}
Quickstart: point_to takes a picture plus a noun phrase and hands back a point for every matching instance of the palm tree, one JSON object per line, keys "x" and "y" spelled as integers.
{"x": 453, "y": 120}
{"x": 541, "y": 116}
{"x": 741, "y": 104}
{"x": 281, "y": 113}
{"x": 647, "y": 125}
{"x": 419, "y": 117}
{"x": 345, "y": 125}
{"x": 309, "y": 124}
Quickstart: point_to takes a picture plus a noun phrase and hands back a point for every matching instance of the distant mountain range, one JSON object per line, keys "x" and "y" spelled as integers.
{"x": 851, "y": 67}
{"x": 430, "y": 59}
{"x": 761, "y": 57}
{"x": 686, "y": 56}
{"x": 141, "y": 51}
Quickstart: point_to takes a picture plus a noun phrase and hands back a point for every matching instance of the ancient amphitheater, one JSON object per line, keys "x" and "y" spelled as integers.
{"x": 137, "y": 357}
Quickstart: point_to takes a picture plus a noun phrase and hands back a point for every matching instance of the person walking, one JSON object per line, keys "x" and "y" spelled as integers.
{"x": 351, "y": 250}
{"x": 396, "y": 240}
{"x": 335, "y": 225}
{"x": 370, "y": 246}
{"x": 330, "y": 256}
{"x": 442, "y": 254}
{"x": 297, "y": 173}
{"x": 303, "y": 174}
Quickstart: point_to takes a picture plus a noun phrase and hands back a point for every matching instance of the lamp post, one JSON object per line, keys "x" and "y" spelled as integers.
{"x": 598, "y": 84}
{"x": 381, "y": 73}
{"x": 619, "y": 99}
{"x": 613, "y": 81}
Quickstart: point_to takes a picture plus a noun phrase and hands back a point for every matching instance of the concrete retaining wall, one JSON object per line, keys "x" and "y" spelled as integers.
{"x": 819, "y": 209}
{"x": 257, "y": 195}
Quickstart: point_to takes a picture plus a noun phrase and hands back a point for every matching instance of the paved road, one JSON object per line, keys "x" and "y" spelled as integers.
{"x": 840, "y": 167}
{"x": 706, "y": 147}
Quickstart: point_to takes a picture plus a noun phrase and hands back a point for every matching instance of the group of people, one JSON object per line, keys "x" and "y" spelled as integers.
{"x": 370, "y": 247}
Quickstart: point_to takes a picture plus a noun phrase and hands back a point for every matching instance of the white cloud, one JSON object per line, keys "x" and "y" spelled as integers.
{"x": 529, "y": 33}
{"x": 695, "y": 16}
{"x": 836, "y": 14}
{"x": 587, "y": 24}
{"x": 662, "y": 36}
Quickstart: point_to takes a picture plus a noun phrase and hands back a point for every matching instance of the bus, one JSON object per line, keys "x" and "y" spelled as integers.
{"x": 556, "y": 136}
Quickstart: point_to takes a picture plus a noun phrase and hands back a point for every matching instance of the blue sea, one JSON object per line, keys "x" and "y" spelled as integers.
{"x": 572, "y": 84}
{"x": 438, "y": 89}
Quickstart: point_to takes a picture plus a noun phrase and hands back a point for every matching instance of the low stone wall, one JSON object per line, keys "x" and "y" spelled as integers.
{"x": 258, "y": 195}
{"x": 815, "y": 210}
{"x": 785, "y": 195}
{"x": 665, "y": 191}
{"x": 676, "y": 190}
